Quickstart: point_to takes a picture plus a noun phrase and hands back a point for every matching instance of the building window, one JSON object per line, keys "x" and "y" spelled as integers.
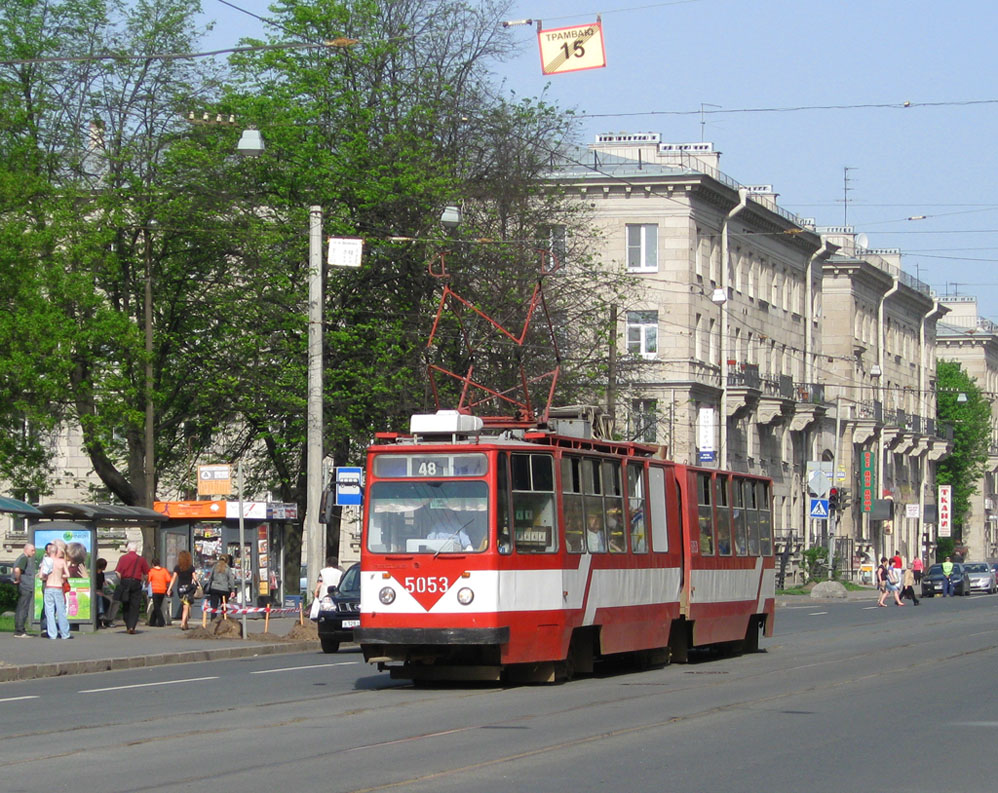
{"x": 644, "y": 420}
{"x": 642, "y": 247}
{"x": 642, "y": 333}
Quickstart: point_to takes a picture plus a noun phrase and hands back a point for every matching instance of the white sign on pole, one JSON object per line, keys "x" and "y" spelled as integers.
{"x": 705, "y": 435}
{"x": 345, "y": 251}
{"x": 944, "y": 500}
{"x": 572, "y": 49}
{"x": 911, "y": 510}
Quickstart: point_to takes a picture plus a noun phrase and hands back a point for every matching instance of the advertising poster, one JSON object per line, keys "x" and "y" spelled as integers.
{"x": 79, "y": 547}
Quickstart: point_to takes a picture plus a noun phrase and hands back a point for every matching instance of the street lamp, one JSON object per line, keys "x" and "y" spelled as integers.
{"x": 251, "y": 145}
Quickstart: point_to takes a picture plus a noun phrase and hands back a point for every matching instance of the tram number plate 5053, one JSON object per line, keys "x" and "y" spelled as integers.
{"x": 427, "y": 584}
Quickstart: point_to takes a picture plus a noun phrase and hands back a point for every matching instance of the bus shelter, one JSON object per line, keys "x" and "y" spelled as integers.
{"x": 210, "y": 530}
{"x": 83, "y": 527}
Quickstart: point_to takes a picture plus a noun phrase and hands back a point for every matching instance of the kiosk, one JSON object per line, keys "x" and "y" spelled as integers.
{"x": 210, "y": 529}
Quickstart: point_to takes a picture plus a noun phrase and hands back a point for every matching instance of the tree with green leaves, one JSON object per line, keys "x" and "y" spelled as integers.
{"x": 971, "y": 424}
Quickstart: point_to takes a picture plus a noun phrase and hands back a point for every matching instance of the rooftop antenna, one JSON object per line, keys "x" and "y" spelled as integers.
{"x": 703, "y": 122}
{"x": 846, "y": 189}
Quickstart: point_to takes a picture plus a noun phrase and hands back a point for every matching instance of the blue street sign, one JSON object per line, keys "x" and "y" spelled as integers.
{"x": 706, "y": 456}
{"x": 348, "y": 486}
{"x": 819, "y": 508}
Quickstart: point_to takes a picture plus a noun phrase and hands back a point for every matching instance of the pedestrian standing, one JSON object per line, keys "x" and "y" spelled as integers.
{"x": 917, "y": 567}
{"x": 24, "y": 577}
{"x": 908, "y": 585}
{"x": 159, "y": 582}
{"x": 898, "y": 564}
{"x": 57, "y": 622}
{"x": 947, "y": 567}
{"x": 132, "y": 570}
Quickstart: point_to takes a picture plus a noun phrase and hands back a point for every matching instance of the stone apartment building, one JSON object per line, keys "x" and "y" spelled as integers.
{"x": 878, "y": 364}
{"x": 763, "y": 336}
{"x": 972, "y": 341}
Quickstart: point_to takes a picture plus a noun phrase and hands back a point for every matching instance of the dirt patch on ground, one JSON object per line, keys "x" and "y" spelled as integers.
{"x": 232, "y": 629}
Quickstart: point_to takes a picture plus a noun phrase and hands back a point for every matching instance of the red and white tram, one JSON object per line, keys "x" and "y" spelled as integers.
{"x": 526, "y": 555}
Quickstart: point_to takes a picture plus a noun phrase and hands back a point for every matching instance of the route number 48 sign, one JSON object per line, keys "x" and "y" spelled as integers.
{"x": 572, "y": 49}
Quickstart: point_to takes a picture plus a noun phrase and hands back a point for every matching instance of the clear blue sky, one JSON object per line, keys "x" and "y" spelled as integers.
{"x": 665, "y": 60}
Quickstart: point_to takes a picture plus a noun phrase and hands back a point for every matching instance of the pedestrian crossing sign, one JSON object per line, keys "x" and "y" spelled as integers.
{"x": 819, "y": 508}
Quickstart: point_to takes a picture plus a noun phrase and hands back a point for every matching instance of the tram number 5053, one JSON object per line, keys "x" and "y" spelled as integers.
{"x": 426, "y": 584}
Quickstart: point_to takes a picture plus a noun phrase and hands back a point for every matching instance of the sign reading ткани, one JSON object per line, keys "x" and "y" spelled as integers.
{"x": 572, "y": 49}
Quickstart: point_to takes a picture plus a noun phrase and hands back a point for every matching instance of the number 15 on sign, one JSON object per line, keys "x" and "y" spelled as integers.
{"x": 572, "y": 49}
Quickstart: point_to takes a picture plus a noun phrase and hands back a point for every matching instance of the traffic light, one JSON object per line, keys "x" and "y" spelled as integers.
{"x": 833, "y": 500}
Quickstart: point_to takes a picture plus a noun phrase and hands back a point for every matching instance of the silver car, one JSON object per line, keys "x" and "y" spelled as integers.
{"x": 982, "y": 577}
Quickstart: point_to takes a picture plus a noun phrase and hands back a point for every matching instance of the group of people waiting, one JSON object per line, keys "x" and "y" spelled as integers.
{"x": 897, "y": 581}
{"x": 60, "y": 563}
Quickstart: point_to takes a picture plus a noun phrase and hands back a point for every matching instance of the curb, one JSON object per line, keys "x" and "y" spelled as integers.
{"x": 61, "y": 668}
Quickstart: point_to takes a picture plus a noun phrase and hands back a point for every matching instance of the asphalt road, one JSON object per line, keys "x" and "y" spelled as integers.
{"x": 844, "y": 696}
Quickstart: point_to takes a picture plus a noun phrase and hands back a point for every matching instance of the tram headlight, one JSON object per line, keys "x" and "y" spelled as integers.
{"x": 387, "y": 595}
{"x": 465, "y": 596}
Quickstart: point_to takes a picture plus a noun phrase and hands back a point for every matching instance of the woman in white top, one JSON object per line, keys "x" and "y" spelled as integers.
{"x": 329, "y": 575}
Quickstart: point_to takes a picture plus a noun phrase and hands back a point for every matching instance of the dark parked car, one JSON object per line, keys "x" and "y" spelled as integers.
{"x": 339, "y": 611}
{"x": 932, "y": 581}
{"x": 6, "y": 574}
{"x": 982, "y": 577}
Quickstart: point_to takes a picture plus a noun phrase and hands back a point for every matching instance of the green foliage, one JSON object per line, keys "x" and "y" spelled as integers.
{"x": 105, "y": 189}
{"x": 944, "y": 547}
{"x": 971, "y": 423}
{"x": 8, "y": 597}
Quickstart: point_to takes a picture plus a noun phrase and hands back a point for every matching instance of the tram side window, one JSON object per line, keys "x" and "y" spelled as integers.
{"x": 705, "y": 513}
{"x": 741, "y": 537}
{"x": 659, "y": 512}
{"x": 765, "y": 519}
{"x": 535, "y": 528}
{"x": 614, "y": 506}
{"x": 722, "y": 487}
{"x": 571, "y": 489}
{"x": 592, "y": 485}
{"x": 753, "y": 518}
{"x": 636, "y": 508}
{"x": 502, "y": 505}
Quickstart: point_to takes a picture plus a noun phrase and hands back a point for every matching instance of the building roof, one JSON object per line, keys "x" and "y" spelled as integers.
{"x": 101, "y": 513}
{"x": 17, "y": 507}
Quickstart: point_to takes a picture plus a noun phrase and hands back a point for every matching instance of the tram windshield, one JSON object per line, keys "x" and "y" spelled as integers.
{"x": 428, "y": 517}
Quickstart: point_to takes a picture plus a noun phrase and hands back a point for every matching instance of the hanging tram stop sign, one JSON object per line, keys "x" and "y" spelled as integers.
{"x": 571, "y": 49}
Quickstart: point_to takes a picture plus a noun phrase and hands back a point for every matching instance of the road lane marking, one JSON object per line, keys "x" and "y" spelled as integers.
{"x": 296, "y": 668}
{"x": 145, "y": 685}
{"x": 817, "y": 613}
{"x": 16, "y": 699}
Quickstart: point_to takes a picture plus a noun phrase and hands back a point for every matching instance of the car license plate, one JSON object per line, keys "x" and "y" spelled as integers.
{"x": 351, "y": 623}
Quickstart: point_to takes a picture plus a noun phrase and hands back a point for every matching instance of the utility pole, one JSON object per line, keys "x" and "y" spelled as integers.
{"x": 315, "y": 536}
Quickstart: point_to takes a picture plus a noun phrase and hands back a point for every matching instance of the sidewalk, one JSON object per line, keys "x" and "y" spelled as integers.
{"x": 113, "y": 648}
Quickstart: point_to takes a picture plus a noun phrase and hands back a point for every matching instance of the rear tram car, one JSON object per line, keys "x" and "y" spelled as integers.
{"x": 527, "y": 555}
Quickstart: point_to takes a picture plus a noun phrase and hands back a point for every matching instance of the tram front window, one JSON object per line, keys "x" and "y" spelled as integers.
{"x": 428, "y": 517}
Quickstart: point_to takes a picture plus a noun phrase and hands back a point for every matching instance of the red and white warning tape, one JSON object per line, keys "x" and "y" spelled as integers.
{"x": 229, "y": 608}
